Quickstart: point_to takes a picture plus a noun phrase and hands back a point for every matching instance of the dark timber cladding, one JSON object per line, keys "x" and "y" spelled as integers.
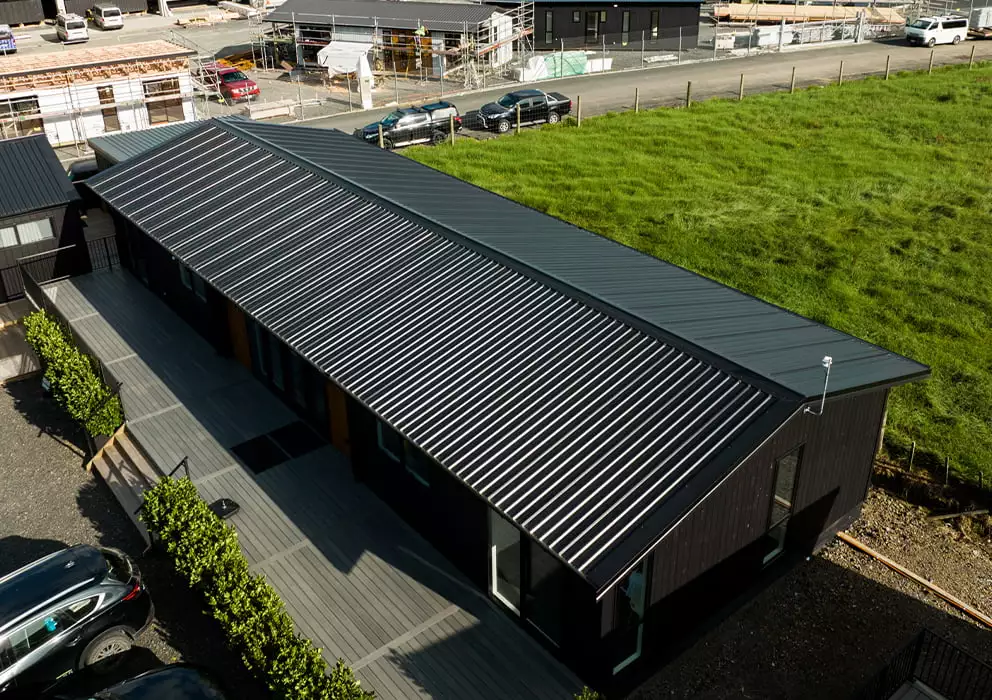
{"x": 473, "y": 326}
{"x": 379, "y": 13}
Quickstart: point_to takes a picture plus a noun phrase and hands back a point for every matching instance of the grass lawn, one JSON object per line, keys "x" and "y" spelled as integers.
{"x": 867, "y": 207}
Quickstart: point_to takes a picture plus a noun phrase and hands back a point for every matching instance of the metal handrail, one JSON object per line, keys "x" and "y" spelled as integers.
{"x": 45, "y": 252}
{"x": 183, "y": 464}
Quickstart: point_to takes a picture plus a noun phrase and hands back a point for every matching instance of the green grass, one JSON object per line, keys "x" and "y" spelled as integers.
{"x": 867, "y": 207}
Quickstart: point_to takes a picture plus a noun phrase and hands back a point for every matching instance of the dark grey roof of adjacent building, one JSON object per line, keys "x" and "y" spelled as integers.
{"x": 128, "y": 144}
{"x": 31, "y": 177}
{"x": 382, "y": 13}
{"x": 469, "y": 324}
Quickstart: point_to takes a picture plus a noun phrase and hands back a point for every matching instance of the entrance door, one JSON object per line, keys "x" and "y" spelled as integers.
{"x": 592, "y": 27}
{"x": 629, "y": 617}
{"x": 783, "y": 497}
{"x": 505, "y": 579}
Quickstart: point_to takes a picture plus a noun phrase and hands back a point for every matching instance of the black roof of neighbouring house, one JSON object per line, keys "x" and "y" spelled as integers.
{"x": 382, "y": 13}
{"x": 31, "y": 177}
{"x": 122, "y": 145}
{"x": 590, "y": 393}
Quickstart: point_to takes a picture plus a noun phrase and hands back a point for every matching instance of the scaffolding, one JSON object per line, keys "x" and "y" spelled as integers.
{"x": 468, "y": 54}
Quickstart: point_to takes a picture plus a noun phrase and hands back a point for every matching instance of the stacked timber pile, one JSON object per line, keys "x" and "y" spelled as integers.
{"x": 775, "y": 14}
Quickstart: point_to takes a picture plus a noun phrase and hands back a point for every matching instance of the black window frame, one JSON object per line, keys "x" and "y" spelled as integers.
{"x": 625, "y": 27}
{"x": 655, "y": 23}
{"x": 576, "y": 16}
{"x": 549, "y": 23}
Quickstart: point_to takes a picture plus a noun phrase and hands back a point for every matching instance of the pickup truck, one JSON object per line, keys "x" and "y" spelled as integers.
{"x": 536, "y": 107}
{"x": 411, "y": 125}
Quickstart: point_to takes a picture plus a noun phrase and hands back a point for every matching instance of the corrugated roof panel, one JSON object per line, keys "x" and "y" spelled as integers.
{"x": 123, "y": 145}
{"x": 31, "y": 177}
{"x": 383, "y": 13}
{"x": 567, "y": 254}
{"x": 570, "y": 422}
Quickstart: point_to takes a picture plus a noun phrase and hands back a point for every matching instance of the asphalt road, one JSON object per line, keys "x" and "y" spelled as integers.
{"x": 666, "y": 85}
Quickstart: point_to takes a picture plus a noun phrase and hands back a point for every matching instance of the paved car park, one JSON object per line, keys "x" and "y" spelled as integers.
{"x": 48, "y": 501}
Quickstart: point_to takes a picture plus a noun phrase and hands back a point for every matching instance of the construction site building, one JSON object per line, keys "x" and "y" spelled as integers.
{"x": 449, "y": 40}
{"x": 73, "y": 95}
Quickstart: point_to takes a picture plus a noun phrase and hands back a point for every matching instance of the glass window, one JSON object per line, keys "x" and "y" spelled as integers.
{"x": 602, "y": 15}
{"x": 110, "y": 119}
{"x": 275, "y": 353}
{"x": 416, "y": 462}
{"x": 186, "y": 276}
{"x": 199, "y": 287}
{"x": 76, "y": 611}
{"x": 6, "y": 656}
{"x": 390, "y": 441}
{"x": 549, "y": 19}
{"x": 576, "y": 16}
{"x": 625, "y": 28}
{"x": 162, "y": 106}
{"x": 504, "y": 543}
{"x": 655, "y": 16}
{"x": 33, "y": 635}
{"x": 783, "y": 494}
{"x": 8, "y": 237}
{"x": 35, "y": 231}
{"x": 631, "y": 598}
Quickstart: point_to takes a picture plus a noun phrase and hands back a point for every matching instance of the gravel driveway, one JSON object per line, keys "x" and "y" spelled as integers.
{"x": 48, "y": 501}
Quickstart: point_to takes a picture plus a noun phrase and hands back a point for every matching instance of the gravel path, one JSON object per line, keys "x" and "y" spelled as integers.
{"x": 48, "y": 501}
{"x": 826, "y": 627}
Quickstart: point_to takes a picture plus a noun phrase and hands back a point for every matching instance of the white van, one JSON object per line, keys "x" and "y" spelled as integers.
{"x": 927, "y": 31}
{"x": 71, "y": 28}
{"x": 106, "y": 15}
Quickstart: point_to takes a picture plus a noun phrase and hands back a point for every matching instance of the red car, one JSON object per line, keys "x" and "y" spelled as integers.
{"x": 232, "y": 83}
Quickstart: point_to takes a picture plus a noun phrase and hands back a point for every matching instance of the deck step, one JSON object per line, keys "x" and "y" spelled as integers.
{"x": 121, "y": 485}
{"x": 134, "y": 453}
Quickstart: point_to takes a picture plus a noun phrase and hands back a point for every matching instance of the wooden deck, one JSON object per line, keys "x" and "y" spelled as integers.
{"x": 358, "y": 581}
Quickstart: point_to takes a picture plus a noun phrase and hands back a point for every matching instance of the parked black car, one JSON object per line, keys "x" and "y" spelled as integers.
{"x": 411, "y": 125}
{"x": 536, "y": 107}
{"x": 172, "y": 682}
{"x": 77, "y": 608}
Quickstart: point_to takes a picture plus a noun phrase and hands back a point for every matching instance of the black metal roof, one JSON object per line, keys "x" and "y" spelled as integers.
{"x": 382, "y": 13}
{"x": 122, "y": 145}
{"x": 47, "y": 578}
{"x": 591, "y": 432}
{"x": 31, "y": 177}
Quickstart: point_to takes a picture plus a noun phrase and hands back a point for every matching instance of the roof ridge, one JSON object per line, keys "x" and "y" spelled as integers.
{"x": 734, "y": 369}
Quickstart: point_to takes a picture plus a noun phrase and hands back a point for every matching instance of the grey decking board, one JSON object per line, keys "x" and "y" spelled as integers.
{"x": 450, "y": 628}
{"x": 379, "y": 677}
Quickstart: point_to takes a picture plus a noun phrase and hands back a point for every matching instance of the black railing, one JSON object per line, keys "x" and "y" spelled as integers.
{"x": 939, "y": 665}
{"x": 103, "y": 253}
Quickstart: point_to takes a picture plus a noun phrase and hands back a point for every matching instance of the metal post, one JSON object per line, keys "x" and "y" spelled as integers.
{"x": 688, "y": 94}
{"x": 299, "y": 90}
{"x": 637, "y": 99}
{"x": 947, "y": 470}
{"x": 396, "y": 82}
{"x": 381, "y": 144}
{"x": 518, "y": 118}
{"x": 930, "y": 67}
{"x": 561, "y": 63}
{"x": 740, "y": 92}
{"x": 971, "y": 59}
{"x": 715, "y": 35}
{"x": 792, "y": 83}
{"x": 679, "y": 62}
{"x": 578, "y": 110}
{"x": 888, "y": 63}
{"x": 604, "y": 54}
{"x": 840, "y": 75}
{"x": 350, "y": 106}
{"x": 442, "y": 61}
{"x": 451, "y": 127}
{"x": 912, "y": 454}
{"x": 642, "y": 49}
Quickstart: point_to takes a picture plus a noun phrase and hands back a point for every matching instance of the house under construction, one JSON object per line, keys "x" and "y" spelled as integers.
{"x": 463, "y": 42}
{"x": 71, "y": 96}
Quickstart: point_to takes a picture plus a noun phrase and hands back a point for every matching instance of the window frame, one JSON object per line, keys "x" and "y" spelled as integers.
{"x": 549, "y": 24}
{"x": 602, "y": 16}
{"x": 379, "y": 425}
{"x": 24, "y": 122}
{"x": 625, "y": 27}
{"x": 655, "y": 23}
{"x": 576, "y": 16}
{"x": 19, "y": 241}
{"x": 108, "y": 109}
{"x": 169, "y": 99}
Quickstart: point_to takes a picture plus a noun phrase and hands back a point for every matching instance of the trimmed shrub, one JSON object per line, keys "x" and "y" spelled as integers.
{"x": 588, "y": 694}
{"x": 75, "y": 384}
{"x": 205, "y": 550}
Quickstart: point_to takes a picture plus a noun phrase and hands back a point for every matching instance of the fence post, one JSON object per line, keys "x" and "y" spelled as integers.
{"x": 688, "y": 94}
{"x": 561, "y": 66}
{"x": 381, "y": 145}
{"x": 840, "y": 75}
{"x": 451, "y": 127}
{"x": 912, "y": 454}
{"x": 930, "y": 67}
{"x": 680, "y": 45}
{"x": 578, "y": 110}
{"x": 716, "y": 33}
{"x": 396, "y": 82}
{"x": 642, "y": 49}
{"x": 518, "y": 119}
{"x": 971, "y": 59}
{"x": 442, "y": 61}
{"x": 637, "y": 99}
{"x": 888, "y": 63}
{"x": 740, "y": 91}
{"x": 792, "y": 83}
{"x": 947, "y": 470}
{"x": 604, "y": 54}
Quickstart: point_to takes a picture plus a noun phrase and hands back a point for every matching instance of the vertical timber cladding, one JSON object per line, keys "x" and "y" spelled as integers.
{"x": 838, "y": 452}
{"x": 239, "y": 334}
{"x": 337, "y": 415}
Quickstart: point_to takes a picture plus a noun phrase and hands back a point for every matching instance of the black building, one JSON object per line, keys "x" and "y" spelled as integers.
{"x": 608, "y": 444}
{"x": 650, "y": 25}
{"x": 39, "y": 212}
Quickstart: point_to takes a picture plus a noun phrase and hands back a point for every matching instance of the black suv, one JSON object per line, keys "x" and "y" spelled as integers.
{"x": 76, "y": 608}
{"x": 172, "y": 682}
{"x": 536, "y": 107}
{"x": 405, "y": 127}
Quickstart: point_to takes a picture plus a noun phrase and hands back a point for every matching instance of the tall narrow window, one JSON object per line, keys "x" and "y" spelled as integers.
{"x": 655, "y": 17}
{"x": 506, "y": 580}
{"x": 110, "y": 119}
{"x": 783, "y": 497}
{"x": 163, "y": 101}
{"x": 186, "y": 277}
{"x": 628, "y": 617}
{"x": 576, "y": 16}
{"x": 625, "y": 29}
{"x": 275, "y": 353}
{"x": 549, "y": 22}
{"x": 390, "y": 442}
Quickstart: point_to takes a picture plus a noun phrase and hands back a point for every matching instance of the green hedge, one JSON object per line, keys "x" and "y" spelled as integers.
{"x": 75, "y": 385}
{"x": 205, "y": 550}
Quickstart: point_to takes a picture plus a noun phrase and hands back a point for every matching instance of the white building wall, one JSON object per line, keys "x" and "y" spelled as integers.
{"x": 56, "y": 104}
